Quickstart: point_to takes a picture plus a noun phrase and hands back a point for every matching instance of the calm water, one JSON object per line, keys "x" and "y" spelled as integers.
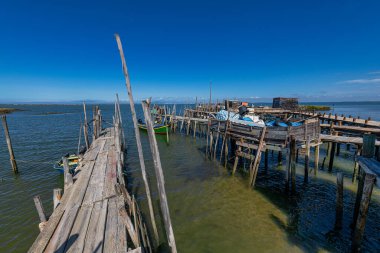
{"x": 211, "y": 211}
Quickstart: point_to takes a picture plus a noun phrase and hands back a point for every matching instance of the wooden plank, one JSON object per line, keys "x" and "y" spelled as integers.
{"x": 63, "y": 230}
{"x": 81, "y": 225}
{"x": 354, "y": 129}
{"x": 111, "y": 231}
{"x": 344, "y": 139}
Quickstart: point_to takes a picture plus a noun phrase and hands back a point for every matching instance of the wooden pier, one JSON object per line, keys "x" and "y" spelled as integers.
{"x": 96, "y": 213}
{"x": 234, "y": 141}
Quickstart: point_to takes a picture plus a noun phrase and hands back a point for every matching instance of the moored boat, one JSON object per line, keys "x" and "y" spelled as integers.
{"x": 72, "y": 160}
{"x": 158, "y": 129}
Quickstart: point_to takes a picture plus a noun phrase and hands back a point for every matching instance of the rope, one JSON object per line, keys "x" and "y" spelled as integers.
{"x": 24, "y": 161}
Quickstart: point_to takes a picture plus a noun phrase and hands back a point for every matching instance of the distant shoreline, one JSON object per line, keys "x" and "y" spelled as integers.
{"x": 8, "y": 110}
{"x": 138, "y": 101}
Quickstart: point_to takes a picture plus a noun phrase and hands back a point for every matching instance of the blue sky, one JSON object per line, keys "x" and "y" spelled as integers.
{"x": 65, "y": 50}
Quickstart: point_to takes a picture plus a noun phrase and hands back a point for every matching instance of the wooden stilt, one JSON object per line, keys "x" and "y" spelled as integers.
{"x": 216, "y": 140}
{"x": 332, "y": 154}
{"x": 369, "y": 145}
{"x": 337, "y": 149}
{"x": 211, "y": 142}
{"x": 195, "y": 128}
{"x": 138, "y": 139}
{"x": 85, "y": 127}
{"x": 361, "y": 208}
{"x": 339, "y": 201}
{"x": 188, "y": 126}
{"x": 316, "y": 159}
{"x": 307, "y": 155}
{"x": 9, "y": 144}
{"x": 226, "y": 152}
{"x": 160, "y": 177}
{"x": 279, "y": 158}
{"x": 236, "y": 160}
{"x": 68, "y": 177}
{"x": 356, "y": 166}
{"x": 293, "y": 148}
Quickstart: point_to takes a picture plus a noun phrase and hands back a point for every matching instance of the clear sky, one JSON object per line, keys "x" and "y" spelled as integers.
{"x": 64, "y": 50}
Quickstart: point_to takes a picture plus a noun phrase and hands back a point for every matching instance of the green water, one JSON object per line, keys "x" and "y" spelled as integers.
{"x": 211, "y": 210}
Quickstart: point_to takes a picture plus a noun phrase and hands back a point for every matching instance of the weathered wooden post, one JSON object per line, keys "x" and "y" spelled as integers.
{"x": 307, "y": 155}
{"x": 361, "y": 208}
{"x": 332, "y": 154}
{"x": 68, "y": 177}
{"x": 9, "y": 144}
{"x": 293, "y": 147}
{"x": 364, "y": 192}
{"x": 160, "y": 177}
{"x": 216, "y": 140}
{"x": 339, "y": 201}
{"x": 316, "y": 158}
{"x": 356, "y": 166}
{"x": 279, "y": 158}
{"x": 85, "y": 127}
{"x": 94, "y": 124}
{"x": 369, "y": 141}
{"x": 57, "y": 195}
{"x": 291, "y": 165}
{"x": 266, "y": 156}
{"x": 137, "y": 135}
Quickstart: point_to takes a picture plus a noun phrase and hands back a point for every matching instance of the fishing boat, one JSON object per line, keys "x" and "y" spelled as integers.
{"x": 73, "y": 163}
{"x": 158, "y": 129}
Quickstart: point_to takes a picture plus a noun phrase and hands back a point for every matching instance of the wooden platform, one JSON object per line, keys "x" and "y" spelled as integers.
{"x": 88, "y": 218}
{"x": 344, "y": 139}
{"x": 346, "y": 120}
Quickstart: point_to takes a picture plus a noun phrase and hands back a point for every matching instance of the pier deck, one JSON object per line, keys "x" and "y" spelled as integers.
{"x": 87, "y": 218}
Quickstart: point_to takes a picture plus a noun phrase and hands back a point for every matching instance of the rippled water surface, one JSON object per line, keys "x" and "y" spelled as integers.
{"x": 211, "y": 210}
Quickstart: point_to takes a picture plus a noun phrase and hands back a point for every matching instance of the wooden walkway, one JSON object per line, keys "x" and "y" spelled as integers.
{"x": 90, "y": 216}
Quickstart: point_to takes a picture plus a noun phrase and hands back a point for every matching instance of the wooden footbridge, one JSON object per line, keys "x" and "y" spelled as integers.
{"x": 95, "y": 213}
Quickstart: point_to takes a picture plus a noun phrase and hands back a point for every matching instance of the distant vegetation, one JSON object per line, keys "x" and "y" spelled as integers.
{"x": 314, "y": 108}
{"x": 8, "y": 110}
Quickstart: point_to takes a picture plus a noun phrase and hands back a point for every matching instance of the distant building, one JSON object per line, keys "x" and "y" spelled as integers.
{"x": 232, "y": 104}
{"x": 285, "y": 103}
